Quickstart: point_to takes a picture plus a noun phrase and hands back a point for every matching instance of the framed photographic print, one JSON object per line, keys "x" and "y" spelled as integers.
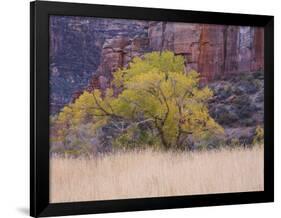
{"x": 142, "y": 109}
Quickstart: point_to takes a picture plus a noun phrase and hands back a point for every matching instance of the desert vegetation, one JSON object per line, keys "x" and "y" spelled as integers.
{"x": 147, "y": 173}
{"x": 157, "y": 130}
{"x": 153, "y": 103}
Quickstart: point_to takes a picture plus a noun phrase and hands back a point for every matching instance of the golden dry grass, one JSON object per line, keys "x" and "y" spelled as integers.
{"x": 152, "y": 174}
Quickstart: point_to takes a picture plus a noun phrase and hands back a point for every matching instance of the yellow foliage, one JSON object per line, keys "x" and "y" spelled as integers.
{"x": 259, "y": 135}
{"x": 155, "y": 89}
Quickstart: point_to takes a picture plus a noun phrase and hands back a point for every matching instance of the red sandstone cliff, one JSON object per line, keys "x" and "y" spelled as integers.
{"x": 215, "y": 51}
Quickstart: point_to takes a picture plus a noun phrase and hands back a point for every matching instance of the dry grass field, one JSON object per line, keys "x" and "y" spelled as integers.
{"x": 151, "y": 174}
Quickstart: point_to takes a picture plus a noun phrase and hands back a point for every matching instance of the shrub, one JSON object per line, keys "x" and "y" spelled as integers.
{"x": 259, "y": 136}
{"x": 225, "y": 115}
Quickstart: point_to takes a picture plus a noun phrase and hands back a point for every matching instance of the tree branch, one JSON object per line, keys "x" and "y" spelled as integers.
{"x": 167, "y": 106}
{"x": 100, "y": 107}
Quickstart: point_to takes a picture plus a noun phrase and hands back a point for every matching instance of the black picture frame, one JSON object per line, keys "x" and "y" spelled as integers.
{"x": 39, "y": 108}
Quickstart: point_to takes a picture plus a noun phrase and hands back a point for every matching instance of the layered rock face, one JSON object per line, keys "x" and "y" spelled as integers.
{"x": 116, "y": 53}
{"x": 84, "y": 52}
{"x": 215, "y": 51}
{"x": 78, "y": 46}
{"x": 212, "y": 50}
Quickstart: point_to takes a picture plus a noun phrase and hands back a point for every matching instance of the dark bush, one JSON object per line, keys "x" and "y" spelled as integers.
{"x": 225, "y": 116}
{"x": 224, "y": 92}
{"x": 258, "y": 75}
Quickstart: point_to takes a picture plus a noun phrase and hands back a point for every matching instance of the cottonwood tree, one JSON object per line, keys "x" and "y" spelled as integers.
{"x": 152, "y": 102}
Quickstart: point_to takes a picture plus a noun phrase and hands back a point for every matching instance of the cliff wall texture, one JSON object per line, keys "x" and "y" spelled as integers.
{"x": 84, "y": 52}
